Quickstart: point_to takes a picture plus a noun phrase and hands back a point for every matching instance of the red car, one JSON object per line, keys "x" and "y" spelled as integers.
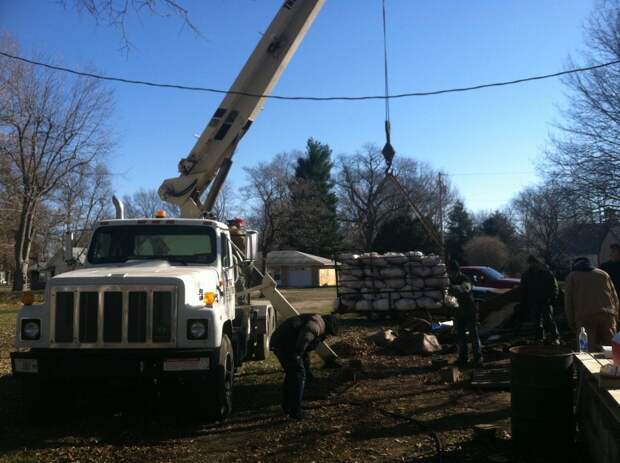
{"x": 488, "y": 277}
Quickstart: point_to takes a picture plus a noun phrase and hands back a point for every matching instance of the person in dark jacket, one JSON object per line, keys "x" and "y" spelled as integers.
{"x": 291, "y": 342}
{"x": 466, "y": 316}
{"x": 539, "y": 291}
{"x": 612, "y": 266}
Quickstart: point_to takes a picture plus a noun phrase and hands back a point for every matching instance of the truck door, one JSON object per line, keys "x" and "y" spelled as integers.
{"x": 228, "y": 276}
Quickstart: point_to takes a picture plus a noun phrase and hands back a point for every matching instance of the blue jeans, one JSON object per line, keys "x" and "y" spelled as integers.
{"x": 464, "y": 324}
{"x": 294, "y": 381}
{"x": 542, "y": 316}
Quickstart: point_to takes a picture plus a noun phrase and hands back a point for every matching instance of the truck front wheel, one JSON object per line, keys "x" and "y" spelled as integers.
{"x": 220, "y": 403}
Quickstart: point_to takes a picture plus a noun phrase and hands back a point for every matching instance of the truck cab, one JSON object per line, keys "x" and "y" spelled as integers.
{"x": 158, "y": 299}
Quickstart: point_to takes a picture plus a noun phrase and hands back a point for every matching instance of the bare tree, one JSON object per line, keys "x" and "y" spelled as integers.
{"x": 81, "y": 199}
{"x": 585, "y": 154}
{"x": 367, "y": 200}
{"x": 363, "y": 203}
{"x": 486, "y": 250}
{"x": 8, "y": 212}
{"x": 115, "y": 13}
{"x": 267, "y": 195}
{"x": 51, "y": 128}
{"x": 145, "y": 202}
{"x": 226, "y": 203}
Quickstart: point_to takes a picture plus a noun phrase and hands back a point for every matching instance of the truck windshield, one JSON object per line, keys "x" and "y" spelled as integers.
{"x": 175, "y": 243}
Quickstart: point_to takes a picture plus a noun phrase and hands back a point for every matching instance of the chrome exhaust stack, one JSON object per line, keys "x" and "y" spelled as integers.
{"x": 119, "y": 206}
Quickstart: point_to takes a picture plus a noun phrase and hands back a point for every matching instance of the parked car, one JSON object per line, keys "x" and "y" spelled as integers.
{"x": 488, "y": 277}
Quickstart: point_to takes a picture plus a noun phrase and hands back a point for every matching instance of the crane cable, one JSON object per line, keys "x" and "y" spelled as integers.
{"x": 388, "y": 150}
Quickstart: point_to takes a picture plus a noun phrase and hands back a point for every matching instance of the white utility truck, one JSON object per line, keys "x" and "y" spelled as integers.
{"x": 168, "y": 299}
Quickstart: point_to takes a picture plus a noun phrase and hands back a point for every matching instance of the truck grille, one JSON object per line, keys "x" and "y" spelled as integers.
{"x": 113, "y": 317}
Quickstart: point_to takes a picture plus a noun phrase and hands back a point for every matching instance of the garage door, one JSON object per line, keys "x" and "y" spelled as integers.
{"x": 300, "y": 278}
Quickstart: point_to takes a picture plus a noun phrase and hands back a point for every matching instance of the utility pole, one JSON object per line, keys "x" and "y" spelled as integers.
{"x": 442, "y": 194}
{"x": 441, "y": 201}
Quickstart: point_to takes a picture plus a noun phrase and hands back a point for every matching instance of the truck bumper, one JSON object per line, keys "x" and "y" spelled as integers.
{"x": 85, "y": 364}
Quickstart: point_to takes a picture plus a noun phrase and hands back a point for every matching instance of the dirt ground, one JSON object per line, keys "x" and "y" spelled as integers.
{"x": 387, "y": 410}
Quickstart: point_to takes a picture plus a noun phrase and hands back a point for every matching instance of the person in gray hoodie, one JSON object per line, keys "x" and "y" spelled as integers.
{"x": 291, "y": 342}
{"x": 591, "y": 302}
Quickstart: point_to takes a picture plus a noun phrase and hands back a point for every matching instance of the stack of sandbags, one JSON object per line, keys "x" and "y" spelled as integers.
{"x": 392, "y": 281}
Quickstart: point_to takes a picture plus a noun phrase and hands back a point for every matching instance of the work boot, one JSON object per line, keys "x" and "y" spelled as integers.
{"x": 296, "y": 414}
{"x": 478, "y": 363}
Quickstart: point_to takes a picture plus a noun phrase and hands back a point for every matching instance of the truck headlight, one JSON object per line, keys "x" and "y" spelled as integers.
{"x": 197, "y": 329}
{"x": 31, "y": 329}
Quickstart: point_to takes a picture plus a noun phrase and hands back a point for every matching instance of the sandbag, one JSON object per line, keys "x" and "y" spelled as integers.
{"x": 434, "y": 294}
{"x": 409, "y": 342}
{"x": 392, "y": 272}
{"x": 363, "y": 305}
{"x": 382, "y": 338}
{"x": 416, "y": 283}
{"x": 372, "y": 259}
{"x": 437, "y": 282}
{"x": 431, "y": 260}
{"x": 395, "y": 258}
{"x": 414, "y": 256}
{"x": 405, "y": 304}
{"x": 374, "y": 284}
{"x": 428, "y": 303}
{"x": 395, "y": 283}
{"x": 438, "y": 270}
{"x": 372, "y": 272}
{"x": 348, "y": 258}
{"x": 381, "y": 304}
{"x": 352, "y": 283}
{"x": 382, "y": 280}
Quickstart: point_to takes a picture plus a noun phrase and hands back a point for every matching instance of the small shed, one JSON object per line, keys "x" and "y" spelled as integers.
{"x": 296, "y": 269}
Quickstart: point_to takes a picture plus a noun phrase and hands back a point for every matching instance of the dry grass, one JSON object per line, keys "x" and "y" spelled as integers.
{"x": 345, "y": 420}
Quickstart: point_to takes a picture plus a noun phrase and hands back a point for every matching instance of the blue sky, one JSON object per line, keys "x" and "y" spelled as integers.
{"x": 489, "y": 141}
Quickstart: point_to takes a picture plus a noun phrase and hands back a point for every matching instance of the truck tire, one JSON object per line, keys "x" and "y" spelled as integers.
{"x": 220, "y": 401}
{"x": 261, "y": 350}
{"x": 242, "y": 329}
{"x": 45, "y": 401}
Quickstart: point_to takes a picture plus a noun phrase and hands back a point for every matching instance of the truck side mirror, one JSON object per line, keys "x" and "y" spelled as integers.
{"x": 251, "y": 244}
{"x": 68, "y": 247}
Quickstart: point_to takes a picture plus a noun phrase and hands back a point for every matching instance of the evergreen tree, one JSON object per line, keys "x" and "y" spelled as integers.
{"x": 459, "y": 231}
{"x": 498, "y": 224}
{"x": 313, "y": 223}
{"x": 402, "y": 234}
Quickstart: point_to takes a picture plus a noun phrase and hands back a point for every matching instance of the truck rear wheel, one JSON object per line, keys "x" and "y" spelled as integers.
{"x": 261, "y": 350}
{"x": 220, "y": 401}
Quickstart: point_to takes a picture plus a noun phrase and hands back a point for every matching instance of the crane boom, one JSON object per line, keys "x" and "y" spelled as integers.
{"x": 211, "y": 157}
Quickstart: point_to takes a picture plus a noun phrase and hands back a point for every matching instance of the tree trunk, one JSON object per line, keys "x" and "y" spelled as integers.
{"x": 23, "y": 244}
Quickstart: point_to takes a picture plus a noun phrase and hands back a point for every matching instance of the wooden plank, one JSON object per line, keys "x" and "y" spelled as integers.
{"x": 615, "y": 395}
{"x": 581, "y": 356}
{"x": 592, "y": 366}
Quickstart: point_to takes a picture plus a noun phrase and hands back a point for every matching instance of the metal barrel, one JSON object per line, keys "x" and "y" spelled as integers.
{"x": 542, "y": 418}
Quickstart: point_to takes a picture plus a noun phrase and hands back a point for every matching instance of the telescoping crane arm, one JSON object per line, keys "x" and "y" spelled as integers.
{"x": 211, "y": 157}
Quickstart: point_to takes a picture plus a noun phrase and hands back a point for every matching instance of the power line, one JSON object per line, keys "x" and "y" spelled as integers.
{"x": 490, "y": 173}
{"x": 310, "y": 98}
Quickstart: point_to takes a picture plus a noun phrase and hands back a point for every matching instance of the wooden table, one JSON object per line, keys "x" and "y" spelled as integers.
{"x": 598, "y": 409}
